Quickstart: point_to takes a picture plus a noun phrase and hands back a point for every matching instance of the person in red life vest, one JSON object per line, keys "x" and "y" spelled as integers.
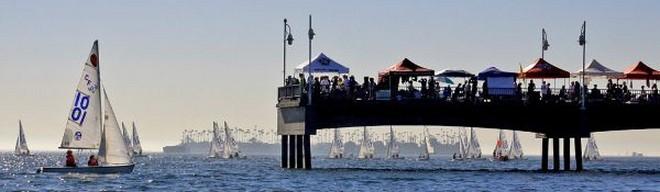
{"x": 92, "y": 162}
{"x": 70, "y": 159}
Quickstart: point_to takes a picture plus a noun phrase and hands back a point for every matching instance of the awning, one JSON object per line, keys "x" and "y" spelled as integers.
{"x": 405, "y": 68}
{"x": 454, "y": 73}
{"x": 640, "y": 70}
{"x": 321, "y": 64}
{"x": 495, "y": 72}
{"x": 541, "y": 69}
{"x": 595, "y": 69}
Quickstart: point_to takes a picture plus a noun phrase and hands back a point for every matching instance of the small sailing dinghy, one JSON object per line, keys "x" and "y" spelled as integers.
{"x": 86, "y": 130}
{"x": 366, "y": 146}
{"x": 337, "y": 146}
{"x": 21, "y": 148}
{"x": 216, "y": 150}
{"x": 137, "y": 147}
{"x": 500, "y": 152}
{"x": 393, "y": 146}
{"x": 591, "y": 152}
{"x": 515, "y": 150}
{"x": 427, "y": 149}
{"x": 231, "y": 150}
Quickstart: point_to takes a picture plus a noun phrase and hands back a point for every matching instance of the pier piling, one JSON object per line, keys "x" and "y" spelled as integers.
{"x": 299, "y": 151}
{"x": 292, "y": 151}
{"x": 578, "y": 154}
{"x": 544, "y": 154}
{"x": 567, "y": 153}
{"x": 285, "y": 150}
{"x": 555, "y": 154}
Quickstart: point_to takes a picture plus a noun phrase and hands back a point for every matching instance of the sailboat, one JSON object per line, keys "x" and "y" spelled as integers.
{"x": 500, "y": 152}
{"x": 474, "y": 149}
{"x": 463, "y": 144}
{"x": 127, "y": 139}
{"x": 366, "y": 146}
{"x": 427, "y": 149}
{"x": 591, "y": 150}
{"x": 216, "y": 149}
{"x": 230, "y": 146}
{"x": 137, "y": 147}
{"x": 86, "y": 130}
{"x": 393, "y": 146}
{"x": 21, "y": 148}
{"x": 337, "y": 146}
{"x": 515, "y": 150}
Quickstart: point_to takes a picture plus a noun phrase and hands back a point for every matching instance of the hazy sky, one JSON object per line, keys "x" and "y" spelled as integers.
{"x": 175, "y": 65}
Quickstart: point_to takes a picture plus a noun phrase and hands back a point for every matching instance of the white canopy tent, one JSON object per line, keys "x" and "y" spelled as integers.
{"x": 595, "y": 69}
{"x": 321, "y": 64}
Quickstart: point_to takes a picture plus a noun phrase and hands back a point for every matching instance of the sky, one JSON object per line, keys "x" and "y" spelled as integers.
{"x": 173, "y": 65}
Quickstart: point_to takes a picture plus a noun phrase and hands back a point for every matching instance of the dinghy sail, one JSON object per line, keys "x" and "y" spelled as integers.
{"x": 366, "y": 146}
{"x": 216, "y": 149}
{"x": 427, "y": 136}
{"x": 83, "y": 127}
{"x": 230, "y": 146}
{"x": 500, "y": 152}
{"x": 515, "y": 150}
{"x": 137, "y": 147}
{"x": 392, "y": 146}
{"x": 474, "y": 150}
{"x": 591, "y": 150}
{"x": 21, "y": 148}
{"x": 113, "y": 149}
{"x": 462, "y": 145}
{"x": 337, "y": 146}
{"x": 127, "y": 139}
{"x": 426, "y": 146}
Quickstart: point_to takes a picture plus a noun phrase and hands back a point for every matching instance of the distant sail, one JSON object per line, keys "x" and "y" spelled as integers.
{"x": 392, "y": 145}
{"x": 366, "y": 146}
{"x": 591, "y": 150}
{"x": 501, "y": 145}
{"x": 230, "y": 146}
{"x": 216, "y": 148}
{"x": 21, "y": 144}
{"x": 137, "y": 147}
{"x": 427, "y": 136}
{"x": 337, "y": 146}
{"x": 113, "y": 149}
{"x": 515, "y": 150}
{"x": 474, "y": 149}
{"x": 127, "y": 139}
{"x": 425, "y": 145}
{"x": 83, "y": 127}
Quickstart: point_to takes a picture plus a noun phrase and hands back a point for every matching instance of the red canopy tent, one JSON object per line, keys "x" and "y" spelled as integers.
{"x": 541, "y": 69}
{"x": 640, "y": 70}
{"x": 405, "y": 68}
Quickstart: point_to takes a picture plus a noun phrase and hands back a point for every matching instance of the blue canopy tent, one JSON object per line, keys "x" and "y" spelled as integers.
{"x": 495, "y": 72}
{"x": 499, "y": 82}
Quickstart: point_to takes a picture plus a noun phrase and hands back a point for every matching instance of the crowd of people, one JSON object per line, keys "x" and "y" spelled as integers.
{"x": 346, "y": 87}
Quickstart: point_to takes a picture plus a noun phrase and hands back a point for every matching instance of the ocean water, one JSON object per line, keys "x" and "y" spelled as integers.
{"x": 165, "y": 172}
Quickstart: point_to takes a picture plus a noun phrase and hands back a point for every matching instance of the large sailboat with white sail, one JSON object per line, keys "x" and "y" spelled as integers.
{"x": 137, "y": 147}
{"x": 366, "y": 146}
{"x": 337, "y": 146}
{"x": 90, "y": 126}
{"x": 21, "y": 148}
{"x": 591, "y": 152}
{"x": 216, "y": 150}
{"x": 393, "y": 146}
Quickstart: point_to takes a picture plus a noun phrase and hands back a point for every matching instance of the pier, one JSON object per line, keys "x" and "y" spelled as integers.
{"x": 297, "y": 119}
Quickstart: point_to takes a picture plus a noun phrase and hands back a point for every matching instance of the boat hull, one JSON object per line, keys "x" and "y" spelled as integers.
{"x": 123, "y": 169}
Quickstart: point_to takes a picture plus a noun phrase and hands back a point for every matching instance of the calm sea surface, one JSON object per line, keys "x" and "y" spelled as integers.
{"x": 163, "y": 172}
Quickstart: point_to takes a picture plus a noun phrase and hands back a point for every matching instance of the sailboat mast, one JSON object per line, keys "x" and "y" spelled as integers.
{"x": 98, "y": 78}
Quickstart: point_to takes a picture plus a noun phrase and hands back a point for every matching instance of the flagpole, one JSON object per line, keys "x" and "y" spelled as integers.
{"x": 309, "y": 65}
{"x": 584, "y": 51}
{"x": 542, "y": 43}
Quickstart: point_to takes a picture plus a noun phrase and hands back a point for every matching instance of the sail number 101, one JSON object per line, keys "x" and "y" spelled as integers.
{"x": 80, "y": 105}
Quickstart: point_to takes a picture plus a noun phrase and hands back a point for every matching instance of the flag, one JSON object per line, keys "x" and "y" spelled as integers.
{"x": 544, "y": 37}
{"x": 582, "y": 39}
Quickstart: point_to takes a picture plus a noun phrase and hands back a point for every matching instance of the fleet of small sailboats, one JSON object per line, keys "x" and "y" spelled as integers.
{"x": 337, "y": 146}
{"x": 591, "y": 150}
{"x": 367, "y": 150}
{"x": 223, "y": 145}
{"x": 21, "y": 148}
{"x": 469, "y": 147}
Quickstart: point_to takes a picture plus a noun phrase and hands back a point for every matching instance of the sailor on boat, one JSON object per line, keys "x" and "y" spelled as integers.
{"x": 92, "y": 162}
{"x": 70, "y": 159}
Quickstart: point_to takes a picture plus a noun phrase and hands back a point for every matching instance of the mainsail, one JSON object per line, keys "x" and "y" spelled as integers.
{"x": 113, "y": 149}
{"x": 427, "y": 137}
{"x": 425, "y": 145}
{"x": 137, "y": 147}
{"x": 515, "y": 151}
{"x": 591, "y": 150}
{"x": 337, "y": 147}
{"x": 21, "y": 144}
{"x": 462, "y": 144}
{"x": 230, "y": 145}
{"x": 127, "y": 139}
{"x": 474, "y": 150}
{"x": 366, "y": 146}
{"x": 83, "y": 127}
{"x": 392, "y": 146}
{"x": 501, "y": 146}
{"x": 216, "y": 149}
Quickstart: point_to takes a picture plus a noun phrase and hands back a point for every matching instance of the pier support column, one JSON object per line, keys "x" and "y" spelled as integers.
{"x": 567, "y": 153}
{"x": 299, "y": 151}
{"x": 578, "y": 154}
{"x": 285, "y": 150}
{"x": 544, "y": 154}
{"x": 292, "y": 151}
{"x": 555, "y": 154}
{"x": 307, "y": 151}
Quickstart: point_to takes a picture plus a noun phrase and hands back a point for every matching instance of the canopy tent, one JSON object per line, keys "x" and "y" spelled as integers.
{"x": 321, "y": 64}
{"x": 405, "y": 68}
{"x": 640, "y": 70}
{"x": 454, "y": 73}
{"x": 541, "y": 69}
{"x": 597, "y": 69}
{"x": 443, "y": 79}
{"x": 495, "y": 72}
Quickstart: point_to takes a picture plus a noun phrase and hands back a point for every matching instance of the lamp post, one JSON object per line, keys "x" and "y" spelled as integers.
{"x": 310, "y": 34}
{"x": 287, "y": 39}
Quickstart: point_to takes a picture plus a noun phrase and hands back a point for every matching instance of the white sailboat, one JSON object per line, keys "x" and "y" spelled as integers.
{"x": 515, "y": 150}
{"x": 86, "y": 130}
{"x": 427, "y": 149}
{"x": 463, "y": 144}
{"x": 230, "y": 146}
{"x": 137, "y": 147}
{"x": 366, "y": 146}
{"x": 21, "y": 148}
{"x": 337, "y": 146}
{"x": 500, "y": 152}
{"x": 127, "y": 139}
{"x": 474, "y": 149}
{"x": 393, "y": 146}
{"x": 216, "y": 150}
{"x": 591, "y": 150}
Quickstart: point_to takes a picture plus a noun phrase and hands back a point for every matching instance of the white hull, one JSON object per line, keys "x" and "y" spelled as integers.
{"x": 122, "y": 169}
